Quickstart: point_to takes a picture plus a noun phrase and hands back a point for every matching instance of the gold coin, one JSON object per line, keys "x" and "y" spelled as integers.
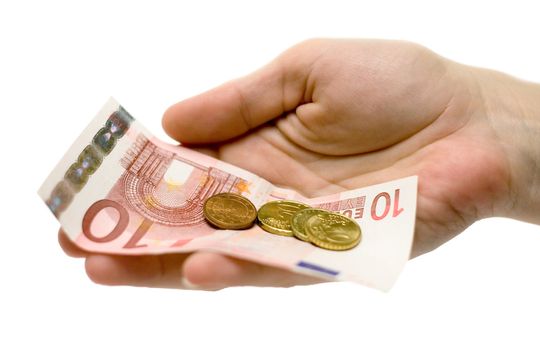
{"x": 229, "y": 211}
{"x": 275, "y": 217}
{"x": 298, "y": 222}
{"x": 332, "y": 231}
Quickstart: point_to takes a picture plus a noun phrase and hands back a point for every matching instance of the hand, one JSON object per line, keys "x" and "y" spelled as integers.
{"x": 333, "y": 115}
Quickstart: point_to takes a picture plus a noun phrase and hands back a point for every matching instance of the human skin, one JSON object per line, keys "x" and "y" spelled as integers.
{"x": 343, "y": 114}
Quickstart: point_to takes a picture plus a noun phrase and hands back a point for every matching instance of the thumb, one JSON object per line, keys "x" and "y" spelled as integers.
{"x": 240, "y": 105}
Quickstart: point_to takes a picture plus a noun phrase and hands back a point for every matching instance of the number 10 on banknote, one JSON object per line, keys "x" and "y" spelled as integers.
{"x": 120, "y": 190}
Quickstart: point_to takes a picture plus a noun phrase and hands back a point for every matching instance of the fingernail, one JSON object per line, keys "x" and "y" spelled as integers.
{"x": 186, "y": 284}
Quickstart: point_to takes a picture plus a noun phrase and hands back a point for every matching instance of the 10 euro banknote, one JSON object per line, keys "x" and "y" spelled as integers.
{"x": 120, "y": 190}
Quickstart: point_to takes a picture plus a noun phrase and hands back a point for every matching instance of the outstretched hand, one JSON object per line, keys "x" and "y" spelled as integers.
{"x": 333, "y": 115}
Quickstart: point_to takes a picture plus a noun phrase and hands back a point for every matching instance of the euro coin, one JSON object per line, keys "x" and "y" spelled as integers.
{"x": 230, "y": 211}
{"x": 332, "y": 231}
{"x": 275, "y": 217}
{"x": 298, "y": 222}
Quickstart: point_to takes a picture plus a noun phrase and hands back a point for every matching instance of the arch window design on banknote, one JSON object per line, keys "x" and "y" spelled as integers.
{"x": 146, "y": 185}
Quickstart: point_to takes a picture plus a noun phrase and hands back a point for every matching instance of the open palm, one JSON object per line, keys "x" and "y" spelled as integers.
{"x": 332, "y": 115}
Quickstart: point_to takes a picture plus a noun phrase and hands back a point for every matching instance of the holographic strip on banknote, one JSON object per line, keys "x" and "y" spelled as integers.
{"x": 89, "y": 160}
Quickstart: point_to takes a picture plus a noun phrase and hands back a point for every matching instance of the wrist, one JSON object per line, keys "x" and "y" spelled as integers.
{"x": 512, "y": 109}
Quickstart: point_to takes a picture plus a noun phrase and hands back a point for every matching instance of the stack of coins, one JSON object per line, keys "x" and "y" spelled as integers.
{"x": 320, "y": 227}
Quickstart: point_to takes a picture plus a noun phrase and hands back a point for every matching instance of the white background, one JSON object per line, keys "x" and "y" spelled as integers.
{"x": 60, "y": 61}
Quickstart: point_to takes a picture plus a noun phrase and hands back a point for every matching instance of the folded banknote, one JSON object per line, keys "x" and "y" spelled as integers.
{"x": 120, "y": 190}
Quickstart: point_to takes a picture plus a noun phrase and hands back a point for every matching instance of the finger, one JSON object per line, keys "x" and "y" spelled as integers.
{"x": 202, "y": 270}
{"x": 207, "y": 270}
{"x": 163, "y": 271}
{"x": 240, "y": 105}
{"x": 69, "y": 247}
